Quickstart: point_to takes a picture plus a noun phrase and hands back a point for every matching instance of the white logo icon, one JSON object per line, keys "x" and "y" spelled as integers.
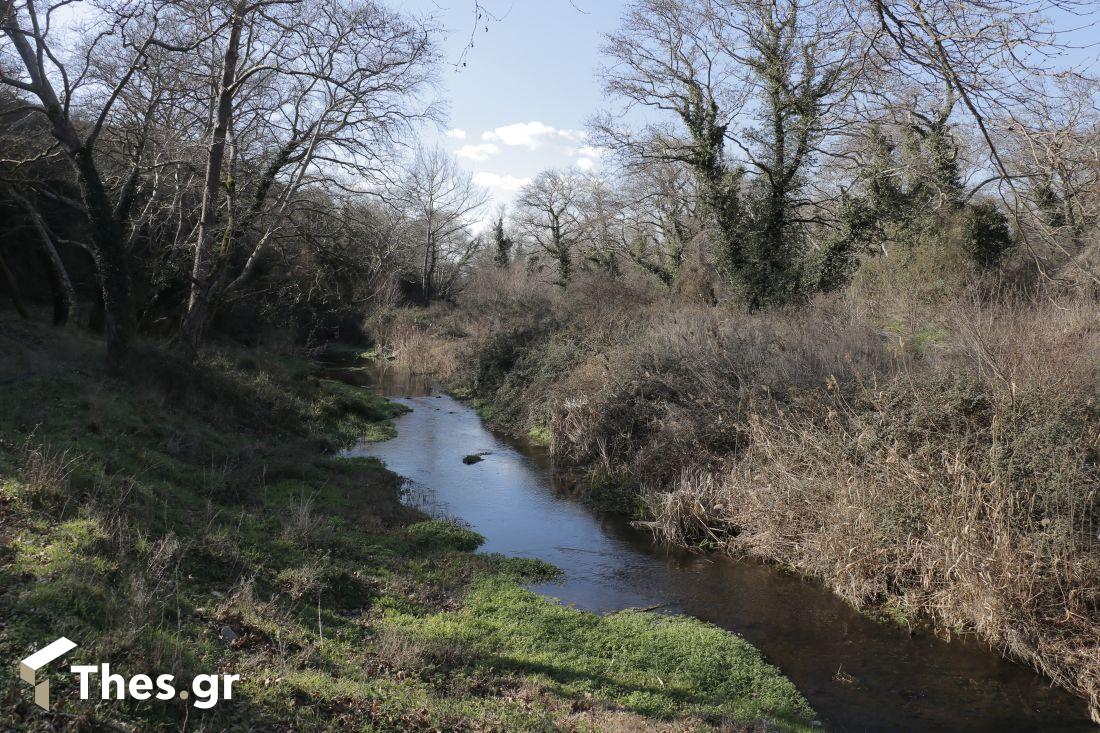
{"x": 28, "y": 668}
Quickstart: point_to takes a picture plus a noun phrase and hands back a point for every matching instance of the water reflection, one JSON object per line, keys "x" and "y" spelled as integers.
{"x": 859, "y": 675}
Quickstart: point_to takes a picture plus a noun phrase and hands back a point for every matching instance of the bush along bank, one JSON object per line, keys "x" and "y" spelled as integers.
{"x": 196, "y": 519}
{"x": 939, "y": 469}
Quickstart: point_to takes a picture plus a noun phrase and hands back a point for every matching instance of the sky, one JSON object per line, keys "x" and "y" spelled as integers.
{"x": 517, "y": 102}
{"x": 520, "y": 103}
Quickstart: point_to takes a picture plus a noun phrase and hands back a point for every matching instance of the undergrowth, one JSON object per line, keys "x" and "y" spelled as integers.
{"x": 197, "y": 518}
{"x": 929, "y": 456}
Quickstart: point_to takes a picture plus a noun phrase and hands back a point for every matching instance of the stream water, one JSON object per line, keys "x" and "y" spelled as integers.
{"x": 858, "y": 675}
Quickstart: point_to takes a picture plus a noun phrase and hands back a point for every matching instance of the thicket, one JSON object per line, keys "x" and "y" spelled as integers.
{"x": 789, "y": 145}
{"x": 924, "y": 441}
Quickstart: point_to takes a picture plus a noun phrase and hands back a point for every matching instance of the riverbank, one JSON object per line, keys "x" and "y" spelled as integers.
{"x": 197, "y": 519}
{"x": 935, "y": 465}
{"x": 857, "y": 674}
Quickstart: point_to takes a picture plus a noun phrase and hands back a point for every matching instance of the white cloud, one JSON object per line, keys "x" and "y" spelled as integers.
{"x": 456, "y": 134}
{"x": 586, "y": 164}
{"x": 498, "y": 182}
{"x": 591, "y": 151}
{"x": 530, "y": 134}
{"x": 477, "y": 152}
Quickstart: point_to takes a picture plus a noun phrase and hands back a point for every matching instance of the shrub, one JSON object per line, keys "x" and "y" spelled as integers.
{"x": 438, "y": 535}
{"x": 986, "y": 234}
{"x": 965, "y": 502}
{"x": 924, "y": 442}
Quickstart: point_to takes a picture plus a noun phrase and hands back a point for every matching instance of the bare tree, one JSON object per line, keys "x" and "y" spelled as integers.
{"x": 1051, "y": 150}
{"x": 439, "y": 202}
{"x": 60, "y": 75}
{"x": 62, "y": 285}
{"x": 24, "y": 164}
{"x": 999, "y": 57}
{"x": 666, "y": 57}
{"x": 549, "y": 211}
{"x": 659, "y": 221}
{"x": 308, "y": 94}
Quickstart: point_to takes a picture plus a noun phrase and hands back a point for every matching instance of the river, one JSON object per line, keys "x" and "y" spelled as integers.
{"x": 859, "y": 675}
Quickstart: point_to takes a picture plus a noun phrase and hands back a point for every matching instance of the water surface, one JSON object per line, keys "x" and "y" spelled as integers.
{"x": 859, "y": 675}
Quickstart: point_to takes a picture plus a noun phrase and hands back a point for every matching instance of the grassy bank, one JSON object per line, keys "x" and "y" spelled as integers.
{"x": 934, "y": 460}
{"x": 190, "y": 519}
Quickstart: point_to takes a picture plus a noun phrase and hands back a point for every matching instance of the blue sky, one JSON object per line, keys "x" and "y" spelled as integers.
{"x": 520, "y": 103}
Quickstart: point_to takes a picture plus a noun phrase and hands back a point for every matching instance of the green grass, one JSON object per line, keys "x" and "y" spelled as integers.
{"x": 142, "y": 513}
{"x": 918, "y": 339}
{"x": 651, "y": 664}
{"x": 435, "y": 535}
{"x": 539, "y": 435}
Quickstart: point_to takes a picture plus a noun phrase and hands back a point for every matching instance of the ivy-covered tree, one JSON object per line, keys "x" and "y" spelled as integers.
{"x": 912, "y": 193}
{"x": 502, "y": 243}
{"x": 762, "y": 77}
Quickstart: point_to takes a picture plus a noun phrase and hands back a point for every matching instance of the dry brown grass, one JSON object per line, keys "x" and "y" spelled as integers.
{"x": 44, "y": 472}
{"x": 986, "y": 525}
{"x": 674, "y": 396}
{"x": 963, "y": 489}
{"x": 421, "y": 340}
{"x": 933, "y": 451}
{"x": 1046, "y": 340}
{"x": 302, "y": 522}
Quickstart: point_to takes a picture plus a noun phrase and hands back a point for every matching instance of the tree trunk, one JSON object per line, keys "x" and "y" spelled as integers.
{"x": 64, "y": 294}
{"x": 109, "y": 250}
{"x": 61, "y": 292}
{"x": 110, "y": 257}
{"x": 426, "y": 269}
{"x": 205, "y": 259}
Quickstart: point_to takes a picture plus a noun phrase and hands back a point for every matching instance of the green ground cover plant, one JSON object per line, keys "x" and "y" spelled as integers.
{"x": 197, "y": 518}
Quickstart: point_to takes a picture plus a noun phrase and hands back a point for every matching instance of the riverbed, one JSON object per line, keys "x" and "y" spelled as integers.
{"x": 858, "y": 674}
